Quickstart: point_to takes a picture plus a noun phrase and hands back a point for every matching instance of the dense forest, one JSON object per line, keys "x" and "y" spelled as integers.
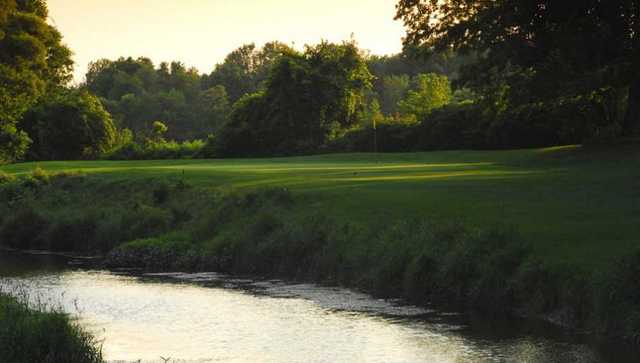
{"x": 543, "y": 74}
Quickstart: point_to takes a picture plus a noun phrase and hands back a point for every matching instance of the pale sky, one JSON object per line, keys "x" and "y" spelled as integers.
{"x": 201, "y": 33}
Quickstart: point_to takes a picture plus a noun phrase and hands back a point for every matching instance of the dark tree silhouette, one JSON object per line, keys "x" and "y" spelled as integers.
{"x": 583, "y": 45}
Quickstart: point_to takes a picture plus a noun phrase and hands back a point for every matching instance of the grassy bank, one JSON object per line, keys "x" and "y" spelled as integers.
{"x": 579, "y": 206}
{"x": 30, "y": 335}
{"x": 549, "y": 232}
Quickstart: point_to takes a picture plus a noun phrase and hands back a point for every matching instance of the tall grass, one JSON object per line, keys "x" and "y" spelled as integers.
{"x": 42, "y": 335}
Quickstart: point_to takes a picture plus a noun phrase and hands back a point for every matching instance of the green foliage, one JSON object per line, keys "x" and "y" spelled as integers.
{"x": 393, "y": 73}
{"x": 73, "y": 233}
{"x": 42, "y": 334}
{"x": 146, "y": 221}
{"x": 77, "y": 226}
{"x": 431, "y": 92}
{"x": 330, "y": 227}
{"x": 14, "y": 143}
{"x": 156, "y": 150}
{"x": 541, "y": 50}
{"x": 388, "y": 137}
{"x": 464, "y": 126}
{"x": 6, "y": 178}
{"x": 71, "y": 126}
{"x": 32, "y": 62}
{"x": 215, "y": 105}
{"x": 136, "y": 92}
{"x": 308, "y": 98}
{"x": 245, "y": 69}
{"x": 158, "y": 129}
{"x": 245, "y": 134}
{"x": 25, "y": 229}
{"x": 394, "y": 90}
{"x": 40, "y": 175}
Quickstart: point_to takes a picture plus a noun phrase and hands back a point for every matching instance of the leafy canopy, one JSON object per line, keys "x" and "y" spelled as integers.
{"x": 557, "y": 48}
{"x": 308, "y": 98}
{"x": 71, "y": 126}
{"x": 432, "y": 91}
{"x": 33, "y": 62}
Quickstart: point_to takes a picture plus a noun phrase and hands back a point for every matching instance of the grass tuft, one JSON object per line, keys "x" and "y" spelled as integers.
{"x": 42, "y": 334}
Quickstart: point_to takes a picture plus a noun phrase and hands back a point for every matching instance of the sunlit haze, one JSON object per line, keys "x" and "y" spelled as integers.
{"x": 201, "y": 32}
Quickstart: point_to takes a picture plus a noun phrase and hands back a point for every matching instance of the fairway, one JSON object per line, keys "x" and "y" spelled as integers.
{"x": 576, "y": 205}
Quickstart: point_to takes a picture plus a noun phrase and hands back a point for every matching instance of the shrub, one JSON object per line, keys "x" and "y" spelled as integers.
{"x": 156, "y": 150}
{"x": 393, "y": 137}
{"x": 10, "y": 192}
{"x": 145, "y": 221}
{"x": 72, "y": 235}
{"x": 40, "y": 175}
{"x": 160, "y": 193}
{"x": 466, "y": 126}
{"x": 109, "y": 232}
{"x": 6, "y": 178}
{"x": 71, "y": 125}
{"x": 208, "y": 150}
{"x": 24, "y": 230}
{"x": 155, "y": 254}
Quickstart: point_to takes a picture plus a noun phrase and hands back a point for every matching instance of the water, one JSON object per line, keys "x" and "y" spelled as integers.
{"x": 209, "y": 317}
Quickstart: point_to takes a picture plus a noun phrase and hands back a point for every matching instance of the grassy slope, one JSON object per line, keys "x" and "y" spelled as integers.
{"x": 580, "y": 206}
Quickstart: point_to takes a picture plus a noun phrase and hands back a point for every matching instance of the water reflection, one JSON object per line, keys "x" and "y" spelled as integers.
{"x": 214, "y": 318}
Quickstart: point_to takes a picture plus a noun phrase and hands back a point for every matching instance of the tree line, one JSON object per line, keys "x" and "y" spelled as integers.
{"x": 541, "y": 74}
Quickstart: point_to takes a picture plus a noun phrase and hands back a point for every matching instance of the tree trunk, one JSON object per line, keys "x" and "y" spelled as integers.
{"x": 631, "y": 123}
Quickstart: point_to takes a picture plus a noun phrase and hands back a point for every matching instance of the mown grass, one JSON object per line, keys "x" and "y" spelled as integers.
{"x": 577, "y": 206}
{"x": 41, "y": 334}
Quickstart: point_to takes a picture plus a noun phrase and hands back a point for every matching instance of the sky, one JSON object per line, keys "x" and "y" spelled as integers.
{"x": 200, "y": 33}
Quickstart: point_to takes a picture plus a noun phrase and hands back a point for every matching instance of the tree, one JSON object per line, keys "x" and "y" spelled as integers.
{"x": 308, "y": 98}
{"x": 33, "y": 62}
{"x": 246, "y": 68}
{"x": 244, "y": 134}
{"x": 315, "y": 94}
{"x": 432, "y": 91}
{"x": 73, "y": 125}
{"x": 394, "y": 89}
{"x": 158, "y": 129}
{"x": 574, "y": 47}
{"x": 135, "y": 92}
{"x": 213, "y": 107}
{"x": 372, "y": 115}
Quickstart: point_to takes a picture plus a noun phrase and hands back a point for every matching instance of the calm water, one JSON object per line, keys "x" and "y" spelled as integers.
{"x": 209, "y": 317}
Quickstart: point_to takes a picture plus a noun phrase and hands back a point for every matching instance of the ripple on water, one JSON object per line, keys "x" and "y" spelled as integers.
{"x": 209, "y": 317}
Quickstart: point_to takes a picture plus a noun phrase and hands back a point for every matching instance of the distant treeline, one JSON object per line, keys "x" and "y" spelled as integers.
{"x": 276, "y": 100}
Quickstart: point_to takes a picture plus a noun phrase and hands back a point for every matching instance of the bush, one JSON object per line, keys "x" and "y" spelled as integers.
{"x": 155, "y": 254}
{"x": 157, "y": 150}
{"x": 37, "y": 178}
{"x": 6, "y": 178}
{"x": 68, "y": 126}
{"x": 453, "y": 127}
{"x": 72, "y": 235}
{"x": 160, "y": 193}
{"x": 392, "y": 137}
{"x": 465, "y": 126}
{"x": 109, "y": 232}
{"x": 145, "y": 221}
{"x": 24, "y": 230}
